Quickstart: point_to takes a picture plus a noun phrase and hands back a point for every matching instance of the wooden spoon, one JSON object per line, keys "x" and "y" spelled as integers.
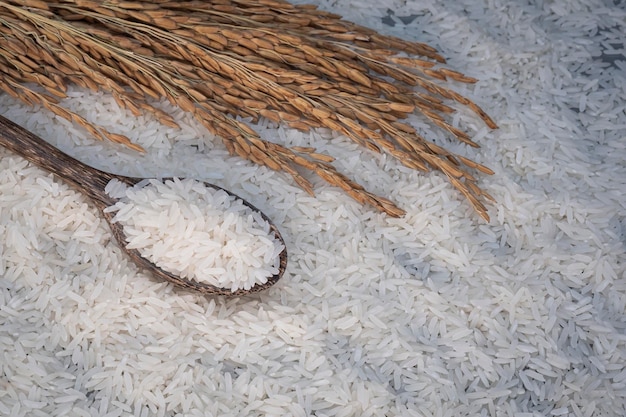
{"x": 91, "y": 182}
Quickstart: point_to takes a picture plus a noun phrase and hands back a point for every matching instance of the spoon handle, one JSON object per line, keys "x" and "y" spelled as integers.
{"x": 89, "y": 180}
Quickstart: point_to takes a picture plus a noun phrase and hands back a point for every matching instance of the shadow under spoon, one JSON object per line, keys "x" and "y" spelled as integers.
{"x": 92, "y": 182}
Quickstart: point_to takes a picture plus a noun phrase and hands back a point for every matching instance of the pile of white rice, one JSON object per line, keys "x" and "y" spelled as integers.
{"x": 434, "y": 314}
{"x": 197, "y": 232}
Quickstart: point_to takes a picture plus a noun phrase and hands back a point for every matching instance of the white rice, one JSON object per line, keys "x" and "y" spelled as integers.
{"x": 196, "y": 232}
{"x": 434, "y": 314}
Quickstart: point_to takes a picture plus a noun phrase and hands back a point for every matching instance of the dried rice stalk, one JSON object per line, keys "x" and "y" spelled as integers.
{"x": 222, "y": 60}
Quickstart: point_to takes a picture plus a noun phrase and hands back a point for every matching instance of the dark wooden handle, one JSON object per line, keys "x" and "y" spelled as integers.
{"x": 87, "y": 179}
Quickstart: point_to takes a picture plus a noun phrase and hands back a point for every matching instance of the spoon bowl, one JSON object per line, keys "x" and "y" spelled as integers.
{"x": 92, "y": 182}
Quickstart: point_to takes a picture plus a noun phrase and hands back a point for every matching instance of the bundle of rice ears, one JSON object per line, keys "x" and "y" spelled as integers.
{"x": 226, "y": 61}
